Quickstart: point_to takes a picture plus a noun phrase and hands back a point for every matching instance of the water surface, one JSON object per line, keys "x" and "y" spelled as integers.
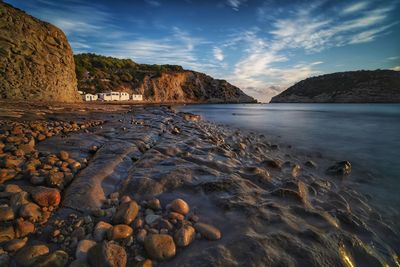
{"x": 368, "y": 135}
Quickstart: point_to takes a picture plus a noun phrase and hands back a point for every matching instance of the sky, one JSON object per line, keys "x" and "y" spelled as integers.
{"x": 261, "y": 46}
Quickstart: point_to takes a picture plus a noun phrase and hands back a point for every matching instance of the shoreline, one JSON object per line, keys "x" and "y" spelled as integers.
{"x": 267, "y": 204}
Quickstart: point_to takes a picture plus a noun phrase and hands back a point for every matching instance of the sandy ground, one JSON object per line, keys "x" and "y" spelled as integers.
{"x": 272, "y": 208}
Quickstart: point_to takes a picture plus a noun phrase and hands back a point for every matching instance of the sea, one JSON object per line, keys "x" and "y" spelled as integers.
{"x": 367, "y": 135}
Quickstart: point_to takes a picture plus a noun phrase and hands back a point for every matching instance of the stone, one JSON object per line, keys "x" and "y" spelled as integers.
{"x": 12, "y": 188}
{"x": 141, "y": 235}
{"x": 7, "y": 174}
{"x": 79, "y": 263}
{"x": 340, "y": 168}
{"x": 154, "y": 204}
{"x": 49, "y": 71}
{"x": 83, "y": 248}
{"x": 15, "y": 244}
{"x": 46, "y": 197}
{"x": 23, "y": 228}
{"x": 6, "y": 214}
{"x": 176, "y": 216}
{"x": 152, "y": 219}
{"x": 6, "y": 233}
{"x": 160, "y": 247}
{"x": 184, "y": 236}
{"x": 180, "y": 206}
{"x": 310, "y": 164}
{"x": 119, "y": 231}
{"x": 30, "y": 211}
{"x": 100, "y": 230}
{"x": 56, "y": 179}
{"x": 29, "y": 254}
{"x": 145, "y": 263}
{"x": 63, "y": 155}
{"x": 107, "y": 254}
{"x": 19, "y": 199}
{"x": 58, "y": 258}
{"x": 126, "y": 213}
{"x": 208, "y": 231}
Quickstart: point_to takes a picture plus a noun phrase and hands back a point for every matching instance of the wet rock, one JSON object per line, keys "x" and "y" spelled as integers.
{"x": 176, "y": 216}
{"x": 12, "y": 188}
{"x": 93, "y": 149}
{"x": 311, "y": 164}
{"x": 208, "y": 231}
{"x": 107, "y": 254}
{"x": 184, "y": 236}
{"x": 30, "y": 211}
{"x": 63, "y": 155}
{"x": 15, "y": 245}
{"x": 141, "y": 235}
{"x": 145, "y": 263}
{"x": 340, "y": 168}
{"x": 180, "y": 206}
{"x": 56, "y": 179}
{"x": 6, "y": 233}
{"x": 58, "y": 258}
{"x": 23, "y": 228}
{"x": 7, "y": 174}
{"x": 160, "y": 247}
{"x": 19, "y": 199}
{"x": 83, "y": 248}
{"x": 152, "y": 219}
{"x": 154, "y": 204}
{"x": 29, "y": 254}
{"x": 295, "y": 170}
{"x": 46, "y": 197}
{"x": 272, "y": 163}
{"x": 6, "y": 214}
{"x": 100, "y": 230}
{"x": 119, "y": 231}
{"x": 126, "y": 213}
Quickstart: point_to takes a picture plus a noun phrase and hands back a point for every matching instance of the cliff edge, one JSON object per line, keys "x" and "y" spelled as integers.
{"x": 36, "y": 60}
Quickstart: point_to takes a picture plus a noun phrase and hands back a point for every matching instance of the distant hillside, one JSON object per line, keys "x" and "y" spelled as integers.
{"x": 158, "y": 83}
{"x": 378, "y": 86}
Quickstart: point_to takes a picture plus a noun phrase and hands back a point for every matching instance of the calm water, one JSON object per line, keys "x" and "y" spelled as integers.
{"x": 366, "y": 134}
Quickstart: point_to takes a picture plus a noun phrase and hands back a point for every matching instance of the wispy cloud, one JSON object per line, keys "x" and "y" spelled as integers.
{"x": 218, "y": 54}
{"x": 235, "y": 4}
{"x": 355, "y": 7}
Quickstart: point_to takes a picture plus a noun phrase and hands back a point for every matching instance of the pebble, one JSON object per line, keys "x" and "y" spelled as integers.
{"x": 184, "y": 236}
{"x": 6, "y": 214}
{"x": 58, "y": 258}
{"x": 107, "y": 254}
{"x": 6, "y": 233}
{"x": 30, "y": 211}
{"x": 155, "y": 204}
{"x": 119, "y": 231}
{"x": 208, "y": 231}
{"x": 46, "y": 197}
{"x": 145, "y": 263}
{"x": 29, "y": 254}
{"x": 15, "y": 244}
{"x": 100, "y": 230}
{"x": 152, "y": 219}
{"x": 160, "y": 247}
{"x": 126, "y": 213}
{"x": 180, "y": 206}
{"x": 63, "y": 155}
{"x": 83, "y": 248}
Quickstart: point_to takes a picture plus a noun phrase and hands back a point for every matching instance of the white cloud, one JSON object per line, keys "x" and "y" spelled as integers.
{"x": 218, "y": 54}
{"x": 235, "y": 4}
{"x": 393, "y": 58}
{"x": 397, "y": 68}
{"x": 355, "y": 7}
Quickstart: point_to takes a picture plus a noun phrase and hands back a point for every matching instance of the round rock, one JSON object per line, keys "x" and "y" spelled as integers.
{"x": 46, "y": 197}
{"x": 184, "y": 236}
{"x": 180, "y": 206}
{"x": 126, "y": 212}
{"x": 208, "y": 231}
{"x": 160, "y": 247}
{"x": 83, "y": 248}
{"x": 107, "y": 254}
{"x": 100, "y": 230}
{"x": 120, "y": 231}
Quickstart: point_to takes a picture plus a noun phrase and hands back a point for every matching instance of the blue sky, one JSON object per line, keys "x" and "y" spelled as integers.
{"x": 260, "y": 46}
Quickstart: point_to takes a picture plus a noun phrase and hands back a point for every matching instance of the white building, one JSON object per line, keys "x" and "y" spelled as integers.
{"x": 113, "y": 96}
{"x": 137, "y": 97}
{"x": 89, "y": 97}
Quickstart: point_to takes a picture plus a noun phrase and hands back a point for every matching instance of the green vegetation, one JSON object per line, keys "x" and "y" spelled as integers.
{"x": 97, "y": 73}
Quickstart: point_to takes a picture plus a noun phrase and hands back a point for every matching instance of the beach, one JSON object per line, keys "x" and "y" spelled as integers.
{"x": 113, "y": 178}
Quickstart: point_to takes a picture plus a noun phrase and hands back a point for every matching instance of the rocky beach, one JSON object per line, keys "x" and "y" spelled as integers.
{"x": 121, "y": 185}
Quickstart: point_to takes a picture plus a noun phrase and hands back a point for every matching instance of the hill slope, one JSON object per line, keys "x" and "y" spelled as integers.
{"x": 157, "y": 83}
{"x": 377, "y": 86}
{"x": 36, "y": 61}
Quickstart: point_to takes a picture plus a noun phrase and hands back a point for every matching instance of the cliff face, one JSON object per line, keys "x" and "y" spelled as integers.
{"x": 157, "y": 83}
{"x": 36, "y": 61}
{"x": 377, "y": 86}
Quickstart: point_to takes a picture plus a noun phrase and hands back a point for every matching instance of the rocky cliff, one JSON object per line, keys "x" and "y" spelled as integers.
{"x": 36, "y": 61}
{"x": 157, "y": 83}
{"x": 377, "y": 86}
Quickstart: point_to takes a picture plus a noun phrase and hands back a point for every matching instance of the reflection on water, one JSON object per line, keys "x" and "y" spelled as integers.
{"x": 366, "y": 134}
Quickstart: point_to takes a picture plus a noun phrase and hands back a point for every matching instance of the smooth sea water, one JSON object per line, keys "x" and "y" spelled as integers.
{"x": 368, "y": 135}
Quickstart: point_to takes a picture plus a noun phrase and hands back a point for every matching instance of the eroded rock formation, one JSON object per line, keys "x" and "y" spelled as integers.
{"x": 36, "y": 61}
